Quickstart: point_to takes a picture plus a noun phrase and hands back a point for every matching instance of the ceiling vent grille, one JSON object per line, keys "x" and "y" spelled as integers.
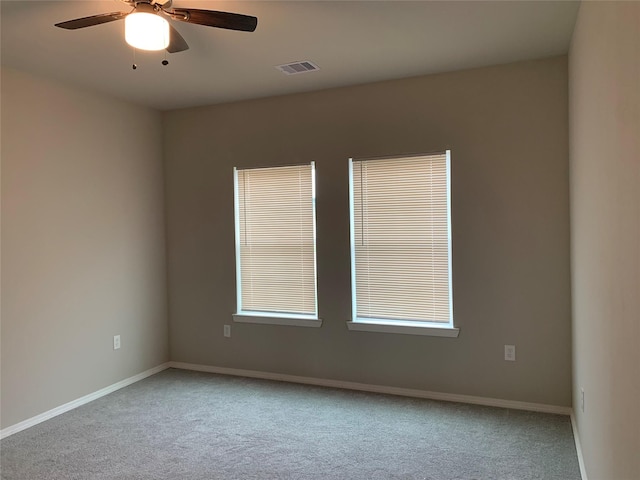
{"x": 298, "y": 67}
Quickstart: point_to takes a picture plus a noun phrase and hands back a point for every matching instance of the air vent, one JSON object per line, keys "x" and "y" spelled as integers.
{"x": 298, "y": 67}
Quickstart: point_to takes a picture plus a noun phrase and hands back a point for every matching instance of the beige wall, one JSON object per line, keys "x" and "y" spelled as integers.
{"x": 605, "y": 212}
{"x": 507, "y": 129}
{"x": 83, "y": 253}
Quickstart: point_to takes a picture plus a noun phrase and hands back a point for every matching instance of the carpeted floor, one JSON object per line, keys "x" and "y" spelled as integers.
{"x": 184, "y": 425}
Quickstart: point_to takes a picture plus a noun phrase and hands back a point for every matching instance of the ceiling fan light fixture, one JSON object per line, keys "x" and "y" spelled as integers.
{"x": 146, "y": 31}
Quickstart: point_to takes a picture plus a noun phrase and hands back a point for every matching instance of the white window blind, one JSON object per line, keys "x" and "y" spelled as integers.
{"x": 400, "y": 236}
{"x": 275, "y": 240}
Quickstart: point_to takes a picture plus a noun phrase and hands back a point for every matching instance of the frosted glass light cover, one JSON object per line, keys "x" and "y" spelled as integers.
{"x": 146, "y": 31}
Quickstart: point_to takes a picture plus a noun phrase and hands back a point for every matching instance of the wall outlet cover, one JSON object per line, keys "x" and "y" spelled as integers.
{"x": 510, "y": 353}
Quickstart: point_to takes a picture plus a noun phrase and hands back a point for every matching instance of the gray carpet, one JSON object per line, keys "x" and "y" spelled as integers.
{"x": 187, "y": 425}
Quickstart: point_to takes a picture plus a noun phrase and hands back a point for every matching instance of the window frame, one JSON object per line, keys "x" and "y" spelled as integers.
{"x": 410, "y": 327}
{"x": 267, "y": 317}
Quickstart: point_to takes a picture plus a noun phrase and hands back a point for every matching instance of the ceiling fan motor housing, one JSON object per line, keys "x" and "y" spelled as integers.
{"x": 146, "y": 7}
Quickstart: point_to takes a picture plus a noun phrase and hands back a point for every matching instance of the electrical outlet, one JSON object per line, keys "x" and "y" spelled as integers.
{"x": 227, "y": 331}
{"x": 510, "y": 353}
{"x": 116, "y": 342}
{"x": 582, "y": 399}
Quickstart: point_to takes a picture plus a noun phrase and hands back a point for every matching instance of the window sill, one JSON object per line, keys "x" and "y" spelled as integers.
{"x": 291, "y": 321}
{"x": 406, "y": 329}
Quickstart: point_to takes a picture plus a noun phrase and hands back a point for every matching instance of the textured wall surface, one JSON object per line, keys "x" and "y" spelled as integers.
{"x": 83, "y": 251}
{"x": 604, "y": 73}
{"x": 507, "y": 128}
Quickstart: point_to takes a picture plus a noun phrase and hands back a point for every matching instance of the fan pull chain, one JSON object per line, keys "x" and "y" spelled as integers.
{"x": 134, "y": 66}
{"x": 165, "y": 62}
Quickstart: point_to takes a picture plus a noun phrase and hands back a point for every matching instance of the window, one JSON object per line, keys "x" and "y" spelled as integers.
{"x": 275, "y": 245}
{"x": 401, "y": 245}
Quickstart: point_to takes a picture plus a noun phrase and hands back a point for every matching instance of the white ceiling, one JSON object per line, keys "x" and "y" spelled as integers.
{"x": 353, "y": 42}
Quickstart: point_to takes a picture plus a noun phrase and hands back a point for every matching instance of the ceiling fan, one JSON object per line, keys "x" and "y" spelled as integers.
{"x": 146, "y": 27}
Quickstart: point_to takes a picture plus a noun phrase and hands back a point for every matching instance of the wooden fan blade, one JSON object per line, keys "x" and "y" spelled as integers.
{"x": 176, "y": 42}
{"x": 91, "y": 21}
{"x": 211, "y": 18}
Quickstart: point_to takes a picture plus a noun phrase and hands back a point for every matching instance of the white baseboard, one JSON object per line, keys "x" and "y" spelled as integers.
{"x": 30, "y": 422}
{"x": 405, "y": 392}
{"x": 576, "y": 438}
